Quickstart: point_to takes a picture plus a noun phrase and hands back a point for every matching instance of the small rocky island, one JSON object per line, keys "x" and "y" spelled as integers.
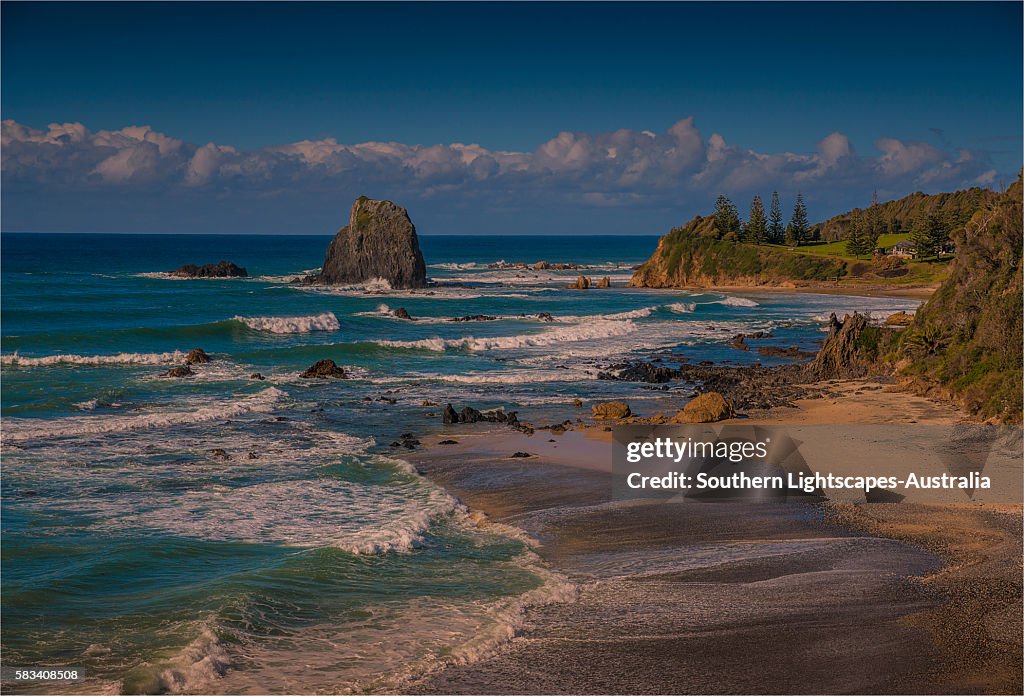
{"x": 379, "y": 241}
{"x": 221, "y": 269}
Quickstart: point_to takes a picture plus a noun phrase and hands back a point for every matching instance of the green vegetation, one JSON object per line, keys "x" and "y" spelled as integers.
{"x": 756, "y": 229}
{"x": 969, "y": 337}
{"x": 798, "y": 229}
{"x": 840, "y": 249}
{"x": 897, "y": 217}
{"x": 776, "y": 232}
{"x": 696, "y": 254}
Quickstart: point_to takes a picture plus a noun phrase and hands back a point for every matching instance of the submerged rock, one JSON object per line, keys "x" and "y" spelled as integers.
{"x": 545, "y": 316}
{"x": 705, "y": 408}
{"x": 180, "y": 371}
{"x": 221, "y": 269}
{"x": 323, "y": 369}
{"x": 379, "y": 242}
{"x": 475, "y": 317}
{"x": 402, "y": 313}
{"x": 197, "y": 356}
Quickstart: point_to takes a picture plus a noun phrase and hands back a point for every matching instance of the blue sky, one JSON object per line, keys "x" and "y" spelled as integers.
{"x": 259, "y": 115}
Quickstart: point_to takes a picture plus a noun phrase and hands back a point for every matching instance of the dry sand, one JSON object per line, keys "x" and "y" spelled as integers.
{"x": 743, "y": 597}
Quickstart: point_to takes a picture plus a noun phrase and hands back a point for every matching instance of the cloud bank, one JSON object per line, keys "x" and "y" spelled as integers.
{"x": 137, "y": 178}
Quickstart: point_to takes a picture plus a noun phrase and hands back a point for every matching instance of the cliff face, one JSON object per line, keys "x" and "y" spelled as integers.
{"x": 379, "y": 241}
{"x": 966, "y": 342}
{"x": 693, "y": 256}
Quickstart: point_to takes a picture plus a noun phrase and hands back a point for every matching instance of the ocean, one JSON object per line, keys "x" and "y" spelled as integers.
{"x": 307, "y": 555}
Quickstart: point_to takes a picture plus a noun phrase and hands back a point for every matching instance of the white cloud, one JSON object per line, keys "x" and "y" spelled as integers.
{"x": 622, "y": 167}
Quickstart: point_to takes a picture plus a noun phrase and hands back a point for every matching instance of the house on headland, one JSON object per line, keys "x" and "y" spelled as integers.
{"x": 904, "y": 250}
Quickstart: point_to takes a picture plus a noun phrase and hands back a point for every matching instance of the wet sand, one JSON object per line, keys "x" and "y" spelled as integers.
{"x": 737, "y": 597}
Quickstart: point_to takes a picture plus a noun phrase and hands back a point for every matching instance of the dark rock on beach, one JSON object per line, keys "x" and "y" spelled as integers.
{"x": 221, "y": 269}
{"x": 470, "y": 415}
{"x": 379, "y": 241}
{"x": 323, "y": 369}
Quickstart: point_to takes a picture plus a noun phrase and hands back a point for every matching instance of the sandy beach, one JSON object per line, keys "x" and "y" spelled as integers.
{"x": 742, "y": 597}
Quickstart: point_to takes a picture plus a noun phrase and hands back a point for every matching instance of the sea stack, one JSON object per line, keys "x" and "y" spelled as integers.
{"x": 379, "y": 241}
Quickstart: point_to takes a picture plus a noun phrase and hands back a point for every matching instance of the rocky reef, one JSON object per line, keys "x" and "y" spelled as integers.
{"x": 379, "y": 241}
{"x": 221, "y": 269}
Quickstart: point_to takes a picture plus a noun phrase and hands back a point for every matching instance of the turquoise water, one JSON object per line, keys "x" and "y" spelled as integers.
{"x": 313, "y": 558}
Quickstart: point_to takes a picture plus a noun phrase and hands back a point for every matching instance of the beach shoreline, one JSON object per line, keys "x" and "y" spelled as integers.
{"x": 641, "y": 593}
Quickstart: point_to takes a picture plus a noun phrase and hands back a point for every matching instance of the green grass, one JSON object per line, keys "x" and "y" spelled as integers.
{"x": 839, "y": 248}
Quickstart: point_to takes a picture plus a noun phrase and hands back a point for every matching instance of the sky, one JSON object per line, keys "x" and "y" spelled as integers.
{"x": 531, "y": 118}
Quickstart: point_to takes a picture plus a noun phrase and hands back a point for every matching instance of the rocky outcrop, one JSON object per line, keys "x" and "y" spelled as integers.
{"x": 581, "y": 283}
{"x": 640, "y": 372}
{"x": 323, "y": 369}
{"x": 709, "y": 407}
{"x": 197, "y": 356}
{"x": 221, "y": 269}
{"x": 605, "y": 282}
{"x": 849, "y": 350}
{"x": 379, "y": 241}
{"x": 611, "y": 410}
{"x": 402, "y": 313}
{"x": 470, "y": 415}
{"x": 180, "y": 371}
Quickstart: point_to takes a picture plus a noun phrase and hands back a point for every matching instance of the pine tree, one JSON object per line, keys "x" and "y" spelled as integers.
{"x": 790, "y": 236}
{"x": 727, "y": 219}
{"x": 873, "y": 226}
{"x": 756, "y": 229}
{"x": 928, "y": 234}
{"x": 776, "y": 233}
{"x": 855, "y": 237}
{"x": 800, "y": 228}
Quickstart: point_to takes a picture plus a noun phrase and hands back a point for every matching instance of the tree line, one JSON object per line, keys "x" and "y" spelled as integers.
{"x": 930, "y": 231}
{"x": 761, "y": 228}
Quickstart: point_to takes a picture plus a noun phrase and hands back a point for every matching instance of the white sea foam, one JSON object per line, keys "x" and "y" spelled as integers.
{"x": 291, "y": 325}
{"x": 73, "y": 359}
{"x": 355, "y": 517}
{"x": 197, "y": 667}
{"x": 594, "y": 330}
{"x": 733, "y": 301}
{"x": 24, "y": 429}
{"x": 682, "y": 307}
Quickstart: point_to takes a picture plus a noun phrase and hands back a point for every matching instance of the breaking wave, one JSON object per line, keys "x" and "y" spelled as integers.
{"x": 591, "y": 331}
{"x": 732, "y": 301}
{"x": 73, "y": 359}
{"x": 682, "y": 307}
{"x": 292, "y": 325}
{"x": 23, "y": 429}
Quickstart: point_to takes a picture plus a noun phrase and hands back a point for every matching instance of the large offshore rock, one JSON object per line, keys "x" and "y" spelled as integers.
{"x": 379, "y": 241}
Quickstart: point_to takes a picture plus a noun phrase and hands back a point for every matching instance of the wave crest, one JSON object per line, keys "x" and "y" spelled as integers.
{"x": 291, "y": 325}
{"x": 594, "y": 330}
{"x": 74, "y": 359}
